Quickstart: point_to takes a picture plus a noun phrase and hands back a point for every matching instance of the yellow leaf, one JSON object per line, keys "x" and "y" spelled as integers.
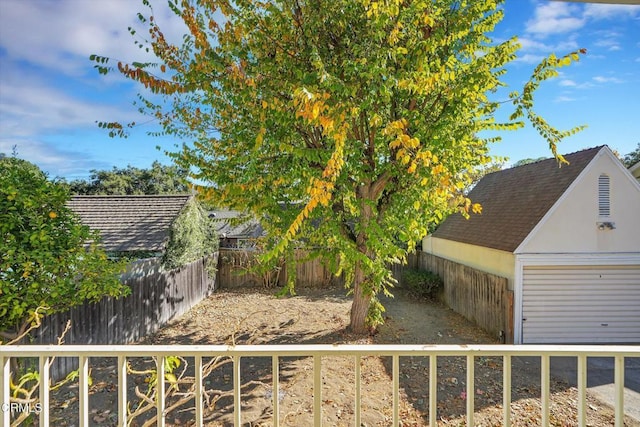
{"x": 53, "y": 215}
{"x": 316, "y": 110}
{"x": 326, "y": 123}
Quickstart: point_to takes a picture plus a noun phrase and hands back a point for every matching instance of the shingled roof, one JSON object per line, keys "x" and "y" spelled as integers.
{"x": 514, "y": 201}
{"x": 226, "y": 227}
{"x": 130, "y": 223}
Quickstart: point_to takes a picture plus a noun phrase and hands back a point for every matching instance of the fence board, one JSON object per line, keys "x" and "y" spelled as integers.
{"x": 481, "y": 297}
{"x": 157, "y": 296}
{"x": 234, "y": 271}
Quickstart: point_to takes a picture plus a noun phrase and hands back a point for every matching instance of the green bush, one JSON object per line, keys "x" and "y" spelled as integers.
{"x": 422, "y": 284}
{"x": 191, "y": 236}
{"x": 46, "y": 263}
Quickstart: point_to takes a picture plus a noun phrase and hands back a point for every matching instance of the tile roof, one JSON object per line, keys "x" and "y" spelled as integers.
{"x": 514, "y": 201}
{"x": 226, "y": 227}
{"x": 130, "y": 223}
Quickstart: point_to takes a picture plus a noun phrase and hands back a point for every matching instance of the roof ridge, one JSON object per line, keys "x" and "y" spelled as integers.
{"x": 537, "y": 162}
{"x": 514, "y": 200}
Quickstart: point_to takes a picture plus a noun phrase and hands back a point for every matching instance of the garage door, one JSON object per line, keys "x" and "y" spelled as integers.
{"x": 581, "y": 304}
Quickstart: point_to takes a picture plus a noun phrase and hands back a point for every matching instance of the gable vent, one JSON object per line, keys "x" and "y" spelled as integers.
{"x": 604, "y": 199}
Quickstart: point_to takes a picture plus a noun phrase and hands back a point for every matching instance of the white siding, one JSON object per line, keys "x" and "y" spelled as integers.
{"x": 571, "y": 226}
{"x": 581, "y": 304}
{"x": 500, "y": 263}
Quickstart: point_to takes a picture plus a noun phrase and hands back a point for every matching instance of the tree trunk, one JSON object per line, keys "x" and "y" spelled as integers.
{"x": 360, "y": 304}
{"x": 361, "y": 295}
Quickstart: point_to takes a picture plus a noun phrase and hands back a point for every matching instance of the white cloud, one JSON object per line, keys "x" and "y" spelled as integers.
{"x": 530, "y": 44}
{"x": 560, "y": 17}
{"x": 572, "y": 84}
{"x": 555, "y": 18}
{"x": 567, "y": 83}
{"x": 30, "y": 106}
{"x": 608, "y": 40}
{"x": 603, "y": 79}
{"x": 60, "y": 35}
{"x": 529, "y": 58}
{"x": 533, "y": 51}
{"x": 55, "y": 161}
{"x": 608, "y": 11}
{"x": 564, "y": 98}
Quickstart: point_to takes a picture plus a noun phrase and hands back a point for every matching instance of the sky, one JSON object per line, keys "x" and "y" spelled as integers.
{"x": 51, "y": 96}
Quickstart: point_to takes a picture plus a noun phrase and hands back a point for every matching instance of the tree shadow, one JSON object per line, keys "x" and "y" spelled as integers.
{"x": 488, "y": 371}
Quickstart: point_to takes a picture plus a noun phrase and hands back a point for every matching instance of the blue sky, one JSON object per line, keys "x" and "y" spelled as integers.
{"x": 51, "y": 97}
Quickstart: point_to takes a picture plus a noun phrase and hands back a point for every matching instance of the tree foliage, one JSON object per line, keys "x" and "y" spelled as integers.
{"x": 352, "y": 125}
{"x": 191, "y": 236}
{"x": 159, "y": 179}
{"x": 527, "y": 161}
{"x": 49, "y": 262}
{"x": 632, "y": 158}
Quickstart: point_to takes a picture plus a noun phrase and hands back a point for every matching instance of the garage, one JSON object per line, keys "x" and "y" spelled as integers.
{"x": 567, "y": 239}
{"x": 575, "y": 304}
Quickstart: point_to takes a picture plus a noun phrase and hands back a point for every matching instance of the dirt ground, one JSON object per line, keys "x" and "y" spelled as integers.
{"x": 320, "y": 316}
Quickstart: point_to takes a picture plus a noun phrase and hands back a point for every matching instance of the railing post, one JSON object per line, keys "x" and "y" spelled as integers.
{"x": 506, "y": 390}
{"x": 619, "y": 386}
{"x": 582, "y": 390}
{"x": 544, "y": 388}
{"x": 317, "y": 390}
{"x": 83, "y": 390}
{"x": 433, "y": 389}
{"x": 5, "y": 391}
{"x": 237, "y": 393}
{"x": 396, "y": 389}
{"x": 160, "y": 391}
{"x": 44, "y": 390}
{"x": 470, "y": 389}
{"x": 275, "y": 372}
{"x": 358, "y": 401}
{"x": 198, "y": 390}
{"x": 122, "y": 390}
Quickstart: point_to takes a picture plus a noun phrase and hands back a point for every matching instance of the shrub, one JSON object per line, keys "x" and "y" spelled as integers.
{"x": 422, "y": 284}
{"x": 191, "y": 236}
{"x": 46, "y": 263}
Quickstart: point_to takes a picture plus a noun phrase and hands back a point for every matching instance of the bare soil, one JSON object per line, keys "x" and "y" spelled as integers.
{"x": 320, "y": 316}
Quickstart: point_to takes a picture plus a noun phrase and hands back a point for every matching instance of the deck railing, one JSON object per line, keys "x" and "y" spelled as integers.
{"x": 317, "y": 352}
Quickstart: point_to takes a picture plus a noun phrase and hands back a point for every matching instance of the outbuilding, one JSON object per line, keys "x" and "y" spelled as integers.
{"x": 567, "y": 238}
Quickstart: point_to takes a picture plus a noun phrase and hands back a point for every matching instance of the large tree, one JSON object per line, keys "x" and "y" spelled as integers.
{"x": 632, "y": 158}
{"x": 353, "y": 125}
{"x": 49, "y": 262}
{"x": 158, "y": 179}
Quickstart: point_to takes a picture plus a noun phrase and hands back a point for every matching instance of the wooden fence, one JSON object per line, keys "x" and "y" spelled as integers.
{"x": 157, "y": 296}
{"x": 234, "y": 271}
{"x": 481, "y": 297}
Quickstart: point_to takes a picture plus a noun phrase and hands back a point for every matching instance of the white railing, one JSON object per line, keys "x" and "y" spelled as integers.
{"x": 83, "y": 353}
